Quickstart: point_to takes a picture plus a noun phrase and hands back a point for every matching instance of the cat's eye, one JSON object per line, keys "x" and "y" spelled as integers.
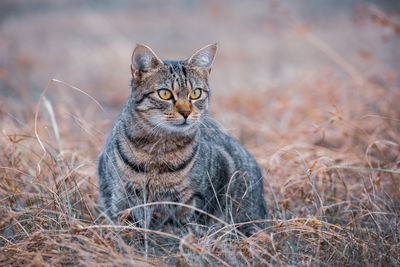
{"x": 164, "y": 94}
{"x": 195, "y": 94}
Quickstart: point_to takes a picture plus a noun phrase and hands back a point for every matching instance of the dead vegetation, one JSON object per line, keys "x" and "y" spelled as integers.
{"x": 328, "y": 143}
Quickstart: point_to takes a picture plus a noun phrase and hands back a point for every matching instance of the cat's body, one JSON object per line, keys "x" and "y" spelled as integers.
{"x": 164, "y": 148}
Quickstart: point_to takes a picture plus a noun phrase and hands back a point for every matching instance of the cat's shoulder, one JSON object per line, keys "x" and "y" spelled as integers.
{"x": 212, "y": 132}
{"x": 209, "y": 128}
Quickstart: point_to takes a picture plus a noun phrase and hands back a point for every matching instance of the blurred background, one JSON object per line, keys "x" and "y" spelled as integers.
{"x": 262, "y": 44}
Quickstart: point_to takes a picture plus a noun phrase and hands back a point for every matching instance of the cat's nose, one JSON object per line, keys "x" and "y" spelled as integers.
{"x": 184, "y": 113}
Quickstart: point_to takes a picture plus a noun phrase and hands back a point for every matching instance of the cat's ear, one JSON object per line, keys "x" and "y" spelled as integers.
{"x": 204, "y": 57}
{"x": 144, "y": 60}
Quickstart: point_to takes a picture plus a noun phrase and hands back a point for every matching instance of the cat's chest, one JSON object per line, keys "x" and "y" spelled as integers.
{"x": 154, "y": 182}
{"x": 159, "y": 172}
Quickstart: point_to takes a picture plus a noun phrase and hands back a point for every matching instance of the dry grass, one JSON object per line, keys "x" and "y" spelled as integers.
{"x": 333, "y": 189}
{"x": 328, "y": 143}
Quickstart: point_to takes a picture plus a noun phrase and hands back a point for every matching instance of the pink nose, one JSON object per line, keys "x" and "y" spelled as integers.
{"x": 185, "y": 113}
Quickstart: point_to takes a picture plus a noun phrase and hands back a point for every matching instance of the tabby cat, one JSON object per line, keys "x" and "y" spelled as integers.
{"x": 164, "y": 147}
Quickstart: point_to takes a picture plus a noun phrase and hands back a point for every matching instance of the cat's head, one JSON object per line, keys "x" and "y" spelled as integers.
{"x": 172, "y": 95}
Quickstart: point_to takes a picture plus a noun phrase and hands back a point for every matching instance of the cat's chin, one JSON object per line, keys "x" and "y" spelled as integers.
{"x": 181, "y": 127}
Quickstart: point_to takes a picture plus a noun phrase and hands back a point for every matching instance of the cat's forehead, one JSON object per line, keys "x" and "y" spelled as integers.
{"x": 176, "y": 68}
{"x": 178, "y": 71}
{"x": 181, "y": 68}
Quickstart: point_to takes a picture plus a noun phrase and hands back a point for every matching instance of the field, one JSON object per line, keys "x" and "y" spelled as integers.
{"x": 311, "y": 90}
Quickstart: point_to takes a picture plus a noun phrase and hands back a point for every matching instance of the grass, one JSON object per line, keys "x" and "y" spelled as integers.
{"x": 333, "y": 196}
{"x": 328, "y": 145}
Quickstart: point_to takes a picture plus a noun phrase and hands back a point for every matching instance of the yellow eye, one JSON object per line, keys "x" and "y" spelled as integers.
{"x": 195, "y": 94}
{"x": 164, "y": 94}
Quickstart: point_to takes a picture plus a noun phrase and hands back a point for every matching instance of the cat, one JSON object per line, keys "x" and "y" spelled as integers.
{"x": 164, "y": 147}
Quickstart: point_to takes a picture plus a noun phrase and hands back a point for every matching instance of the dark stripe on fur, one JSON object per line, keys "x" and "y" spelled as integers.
{"x": 164, "y": 168}
{"x": 184, "y": 72}
{"x": 142, "y": 98}
{"x": 167, "y": 168}
{"x": 188, "y": 141}
{"x": 138, "y": 142}
{"x": 181, "y": 76}
{"x": 170, "y": 69}
{"x": 134, "y": 166}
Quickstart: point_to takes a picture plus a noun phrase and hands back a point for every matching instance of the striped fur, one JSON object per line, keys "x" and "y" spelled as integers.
{"x": 155, "y": 153}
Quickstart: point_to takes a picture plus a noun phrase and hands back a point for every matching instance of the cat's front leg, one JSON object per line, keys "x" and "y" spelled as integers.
{"x": 142, "y": 215}
{"x": 132, "y": 200}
